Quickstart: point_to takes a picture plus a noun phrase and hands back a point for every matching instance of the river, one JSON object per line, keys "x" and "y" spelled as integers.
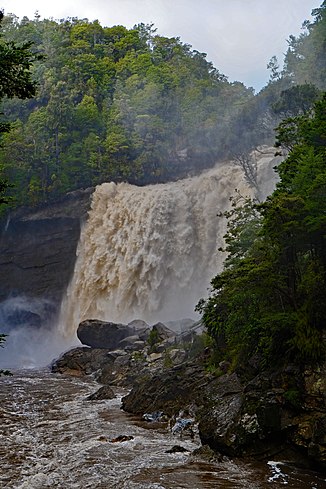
{"x": 53, "y": 437}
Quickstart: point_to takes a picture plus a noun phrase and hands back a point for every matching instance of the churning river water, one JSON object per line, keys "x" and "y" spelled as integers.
{"x": 53, "y": 437}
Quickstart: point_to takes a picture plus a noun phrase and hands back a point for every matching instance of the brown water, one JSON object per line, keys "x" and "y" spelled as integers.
{"x": 52, "y": 437}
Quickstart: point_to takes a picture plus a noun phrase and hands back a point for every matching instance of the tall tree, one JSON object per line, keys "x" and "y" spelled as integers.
{"x": 15, "y": 81}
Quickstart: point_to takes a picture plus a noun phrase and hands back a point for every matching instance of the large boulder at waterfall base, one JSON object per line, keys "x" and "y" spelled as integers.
{"x": 82, "y": 361}
{"x": 102, "y": 334}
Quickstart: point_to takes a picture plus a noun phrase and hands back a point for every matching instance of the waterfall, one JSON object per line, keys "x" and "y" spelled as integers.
{"x": 150, "y": 252}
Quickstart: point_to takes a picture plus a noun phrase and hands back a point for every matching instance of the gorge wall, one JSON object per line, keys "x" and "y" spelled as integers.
{"x": 38, "y": 248}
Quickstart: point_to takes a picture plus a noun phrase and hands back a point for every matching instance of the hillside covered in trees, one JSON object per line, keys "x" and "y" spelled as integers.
{"x": 269, "y": 302}
{"x": 127, "y": 104}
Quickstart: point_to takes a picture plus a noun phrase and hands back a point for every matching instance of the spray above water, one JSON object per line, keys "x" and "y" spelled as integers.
{"x": 32, "y": 340}
{"x": 150, "y": 252}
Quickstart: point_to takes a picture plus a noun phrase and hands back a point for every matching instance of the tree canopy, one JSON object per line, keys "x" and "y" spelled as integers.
{"x": 15, "y": 81}
{"x": 128, "y": 104}
{"x": 270, "y": 299}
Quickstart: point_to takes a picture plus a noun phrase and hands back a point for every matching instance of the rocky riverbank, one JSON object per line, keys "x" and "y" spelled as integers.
{"x": 278, "y": 415}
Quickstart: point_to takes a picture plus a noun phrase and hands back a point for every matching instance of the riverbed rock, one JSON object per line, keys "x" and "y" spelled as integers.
{"x": 82, "y": 361}
{"x": 132, "y": 343}
{"x": 168, "y": 390}
{"x": 104, "y": 392}
{"x": 102, "y": 334}
{"x": 140, "y": 328}
{"x": 278, "y": 415}
{"x": 162, "y": 331}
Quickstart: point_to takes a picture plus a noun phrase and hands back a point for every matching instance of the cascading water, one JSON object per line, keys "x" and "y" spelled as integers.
{"x": 150, "y": 252}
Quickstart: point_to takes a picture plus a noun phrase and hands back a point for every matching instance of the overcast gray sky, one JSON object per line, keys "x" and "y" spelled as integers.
{"x": 239, "y": 36}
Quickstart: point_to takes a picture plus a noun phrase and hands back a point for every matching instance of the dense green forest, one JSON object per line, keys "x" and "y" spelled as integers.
{"x": 269, "y": 302}
{"x": 267, "y": 307}
{"x": 127, "y": 104}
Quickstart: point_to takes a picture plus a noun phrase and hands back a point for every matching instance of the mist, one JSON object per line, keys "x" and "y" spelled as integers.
{"x": 32, "y": 338}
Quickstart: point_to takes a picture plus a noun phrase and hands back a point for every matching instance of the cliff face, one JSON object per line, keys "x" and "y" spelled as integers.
{"x": 38, "y": 248}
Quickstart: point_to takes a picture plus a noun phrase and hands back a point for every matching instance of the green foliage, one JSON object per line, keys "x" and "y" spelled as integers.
{"x": 270, "y": 299}
{"x": 113, "y": 104}
{"x": 15, "y": 81}
{"x": 293, "y": 397}
{"x": 127, "y": 104}
{"x": 153, "y": 339}
{"x": 305, "y": 60}
{"x": 296, "y": 100}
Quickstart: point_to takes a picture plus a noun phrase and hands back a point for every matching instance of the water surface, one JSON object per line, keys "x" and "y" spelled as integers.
{"x": 52, "y": 437}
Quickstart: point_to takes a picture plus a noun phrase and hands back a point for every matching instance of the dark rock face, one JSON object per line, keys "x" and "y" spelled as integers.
{"x": 105, "y": 392}
{"x": 38, "y": 248}
{"x": 82, "y": 361}
{"x": 262, "y": 418}
{"x": 102, "y": 334}
{"x": 168, "y": 391}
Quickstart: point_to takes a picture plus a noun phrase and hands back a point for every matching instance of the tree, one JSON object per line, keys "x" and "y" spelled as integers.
{"x": 270, "y": 299}
{"x": 15, "y": 81}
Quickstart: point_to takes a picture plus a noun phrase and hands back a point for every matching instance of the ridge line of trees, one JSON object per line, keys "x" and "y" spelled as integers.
{"x": 127, "y": 104}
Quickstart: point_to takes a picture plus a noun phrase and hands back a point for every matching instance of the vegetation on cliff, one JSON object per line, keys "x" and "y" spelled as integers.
{"x": 269, "y": 302}
{"x": 268, "y": 305}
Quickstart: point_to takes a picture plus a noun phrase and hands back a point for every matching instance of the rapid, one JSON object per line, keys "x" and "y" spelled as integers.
{"x": 53, "y": 437}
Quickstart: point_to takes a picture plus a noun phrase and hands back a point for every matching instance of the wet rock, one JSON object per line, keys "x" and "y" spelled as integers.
{"x": 140, "y": 328}
{"x": 153, "y": 417}
{"x": 121, "y": 438}
{"x": 105, "y": 392}
{"x": 153, "y": 357}
{"x": 207, "y": 454}
{"x": 102, "y": 334}
{"x": 132, "y": 343}
{"x": 168, "y": 390}
{"x": 102, "y": 439}
{"x": 82, "y": 361}
{"x": 177, "y": 449}
{"x": 162, "y": 331}
{"x": 177, "y": 356}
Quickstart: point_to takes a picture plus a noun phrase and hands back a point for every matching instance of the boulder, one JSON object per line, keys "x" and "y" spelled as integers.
{"x": 102, "y": 334}
{"x": 105, "y": 392}
{"x": 82, "y": 361}
{"x": 132, "y": 343}
{"x": 140, "y": 328}
{"x": 169, "y": 390}
{"x": 163, "y": 332}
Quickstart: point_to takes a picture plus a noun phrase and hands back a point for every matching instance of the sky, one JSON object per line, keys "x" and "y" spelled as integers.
{"x": 239, "y": 36}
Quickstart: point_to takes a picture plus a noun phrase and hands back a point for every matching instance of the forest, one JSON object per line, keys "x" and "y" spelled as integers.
{"x": 121, "y": 104}
{"x": 269, "y": 302}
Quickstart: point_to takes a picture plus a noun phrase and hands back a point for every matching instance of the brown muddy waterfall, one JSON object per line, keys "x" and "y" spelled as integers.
{"x": 150, "y": 252}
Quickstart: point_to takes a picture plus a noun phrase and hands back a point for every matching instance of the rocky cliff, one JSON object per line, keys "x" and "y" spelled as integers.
{"x": 38, "y": 247}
